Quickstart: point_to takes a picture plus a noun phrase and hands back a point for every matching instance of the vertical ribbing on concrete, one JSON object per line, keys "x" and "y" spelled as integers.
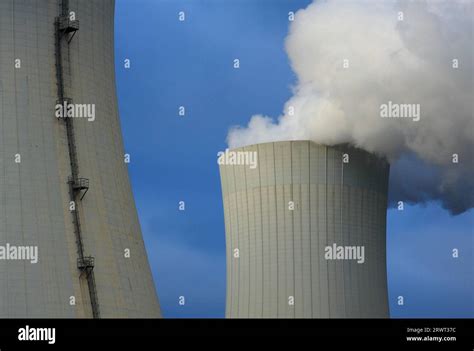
{"x": 34, "y": 194}
{"x": 320, "y": 287}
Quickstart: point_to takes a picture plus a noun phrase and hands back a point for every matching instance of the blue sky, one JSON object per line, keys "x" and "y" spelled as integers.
{"x": 173, "y": 158}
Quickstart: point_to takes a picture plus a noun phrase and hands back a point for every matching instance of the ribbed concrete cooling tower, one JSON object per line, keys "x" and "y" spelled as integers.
{"x": 64, "y": 186}
{"x": 305, "y": 231}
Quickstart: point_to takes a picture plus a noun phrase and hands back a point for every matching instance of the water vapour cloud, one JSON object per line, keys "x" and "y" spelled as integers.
{"x": 353, "y": 59}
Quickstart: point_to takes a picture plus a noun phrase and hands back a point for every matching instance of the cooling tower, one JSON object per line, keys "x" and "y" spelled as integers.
{"x": 305, "y": 231}
{"x": 64, "y": 186}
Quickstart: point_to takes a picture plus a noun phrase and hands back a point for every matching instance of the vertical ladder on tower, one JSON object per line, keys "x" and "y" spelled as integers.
{"x": 65, "y": 29}
{"x": 86, "y": 266}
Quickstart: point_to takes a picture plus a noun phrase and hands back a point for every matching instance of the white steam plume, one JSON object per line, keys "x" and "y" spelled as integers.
{"x": 426, "y": 58}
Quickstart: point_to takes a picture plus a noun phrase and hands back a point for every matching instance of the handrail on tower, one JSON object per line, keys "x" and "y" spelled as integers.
{"x": 85, "y": 263}
{"x": 66, "y": 26}
{"x": 79, "y": 184}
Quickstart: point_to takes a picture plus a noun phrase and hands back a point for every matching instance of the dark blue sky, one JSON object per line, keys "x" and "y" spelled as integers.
{"x": 173, "y": 158}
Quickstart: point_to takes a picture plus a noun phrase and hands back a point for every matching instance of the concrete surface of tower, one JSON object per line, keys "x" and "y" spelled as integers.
{"x": 295, "y": 228}
{"x": 64, "y": 186}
